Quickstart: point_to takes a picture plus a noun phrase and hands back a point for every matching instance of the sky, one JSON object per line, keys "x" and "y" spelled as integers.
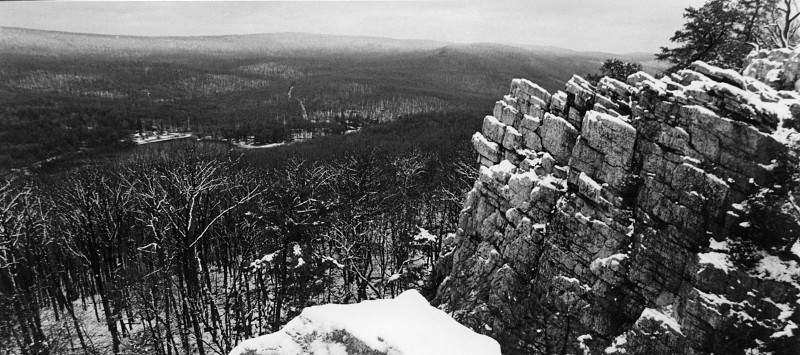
{"x": 615, "y": 26}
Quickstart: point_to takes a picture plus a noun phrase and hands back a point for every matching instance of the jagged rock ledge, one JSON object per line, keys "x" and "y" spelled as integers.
{"x": 406, "y": 325}
{"x": 655, "y": 216}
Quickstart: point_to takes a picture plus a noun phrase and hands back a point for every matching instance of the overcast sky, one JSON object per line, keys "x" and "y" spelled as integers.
{"x": 616, "y": 26}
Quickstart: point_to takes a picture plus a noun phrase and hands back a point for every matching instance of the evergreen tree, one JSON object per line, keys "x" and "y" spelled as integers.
{"x": 712, "y": 33}
{"x": 723, "y": 32}
{"x": 615, "y": 69}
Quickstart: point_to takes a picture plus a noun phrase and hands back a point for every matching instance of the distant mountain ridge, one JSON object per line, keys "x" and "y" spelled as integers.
{"x": 271, "y": 44}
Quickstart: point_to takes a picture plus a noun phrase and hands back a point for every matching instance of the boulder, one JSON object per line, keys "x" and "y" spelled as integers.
{"x": 405, "y": 325}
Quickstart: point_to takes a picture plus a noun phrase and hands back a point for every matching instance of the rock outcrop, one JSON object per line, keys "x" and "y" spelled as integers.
{"x": 656, "y": 216}
{"x": 406, "y": 325}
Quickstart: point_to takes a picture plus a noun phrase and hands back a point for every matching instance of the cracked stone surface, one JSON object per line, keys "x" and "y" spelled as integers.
{"x": 655, "y": 216}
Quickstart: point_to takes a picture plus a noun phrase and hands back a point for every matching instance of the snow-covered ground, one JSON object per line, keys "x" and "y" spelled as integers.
{"x": 253, "y": 146}
{"x": 406, "y": 325}
{"x": 149, "y": 137}
{"x": 249, "y": 143}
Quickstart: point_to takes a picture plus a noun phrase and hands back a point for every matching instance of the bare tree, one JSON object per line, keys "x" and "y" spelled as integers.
{"x": 95, "y": 218}
{"x": 782, "y": 25}
{"x": 21, "y": 246}
{"x": 186, "y": 201}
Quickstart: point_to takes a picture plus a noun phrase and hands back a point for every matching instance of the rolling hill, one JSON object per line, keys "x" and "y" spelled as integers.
{"x": 62, "y": 92}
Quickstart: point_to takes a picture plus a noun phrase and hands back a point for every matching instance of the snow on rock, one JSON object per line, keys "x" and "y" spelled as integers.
{"x": 406, "y": 325}
{"x": 773, "y": 268}
{"x": 788, "y": 331}
{"x": 796, "y": 248}
{"x": 718, "y": 246}
{"x": 503, "y": 170}
{"x": 664, "y": 316}
{"x": 786, "y": 310}
{"x": 717, "y": 260}
{"x": 715, "y": 72}
{"x": 615, "y": 346}
{"x": 612, "y": 262}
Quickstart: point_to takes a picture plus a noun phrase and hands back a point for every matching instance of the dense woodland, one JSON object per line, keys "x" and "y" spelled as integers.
{"x": 189, "y": 247}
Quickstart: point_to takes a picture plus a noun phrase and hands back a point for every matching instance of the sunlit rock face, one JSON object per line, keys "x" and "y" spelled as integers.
{"x": 656, "y": 216}
{"x": 406, "y": 325}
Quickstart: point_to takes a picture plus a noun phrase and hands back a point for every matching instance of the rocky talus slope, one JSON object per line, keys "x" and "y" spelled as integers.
{"x": 656, "y": 216}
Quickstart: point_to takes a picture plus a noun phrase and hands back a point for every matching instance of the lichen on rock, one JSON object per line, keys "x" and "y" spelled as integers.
{"x": 653, "y": 216}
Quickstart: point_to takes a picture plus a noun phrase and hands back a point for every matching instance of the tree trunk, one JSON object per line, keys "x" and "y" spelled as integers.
{"x": 110, "y": 322}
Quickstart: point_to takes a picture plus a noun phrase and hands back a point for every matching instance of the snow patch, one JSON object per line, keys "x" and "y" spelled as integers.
{"x": 771, "y": 166}
{"x": 776, "y": 109}
{"x": 773, "y": 268}
{"x": 505, "y": 167}
{"x": 568, "y": 279}
{"x": 424, "y": 236}
{"x": 332, "y": 261}
{"x": 786, "y": 310}
{"x": 612, "y": 261}
{"x": 266, "y": 260}
{"x": 253, "y": 146}
{"x": 582, "y": 218}
{"x": 788, "y": 331}
{"x": 615, "y": 346}
{"x": 663, "y": 316}
{"x": 146, "y": 138}
{"x": 713, "y": 299}
{"x": 796, "y": 248}
{"x": 406, "y": 325}
{"x": 718, "y": 260}
{"x": 573, "y": 280}
{"x": 718, "y": 300}
{"x": 719, "y": 246}
{"x": 582, "y": 345}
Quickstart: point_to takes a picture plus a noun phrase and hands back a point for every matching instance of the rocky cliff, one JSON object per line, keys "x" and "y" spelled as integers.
{"x": 655, "y": 216}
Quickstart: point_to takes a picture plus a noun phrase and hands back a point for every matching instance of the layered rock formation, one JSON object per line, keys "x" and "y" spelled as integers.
{"x": 654, "y": 216}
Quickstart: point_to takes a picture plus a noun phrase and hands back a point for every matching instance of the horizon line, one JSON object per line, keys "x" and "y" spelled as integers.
{"x": 516, "y": 45}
